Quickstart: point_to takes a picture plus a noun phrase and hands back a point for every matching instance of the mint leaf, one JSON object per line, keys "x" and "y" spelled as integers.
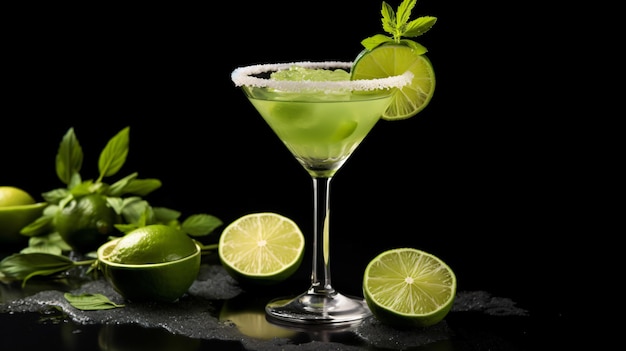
{"x": 417, "y": 47}
{"x": 419, "y": 26}
{"x": 389, "y": 19}
{"x": 91, "y": 302}
{"x": 398, "y": 25}
{"x": 114, "y": 154}
{"x": 374, "y": 41}
{"x": 404, "y": 12}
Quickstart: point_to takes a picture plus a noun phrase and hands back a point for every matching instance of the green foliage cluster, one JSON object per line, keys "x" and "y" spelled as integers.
{"x": 47, "y": 254}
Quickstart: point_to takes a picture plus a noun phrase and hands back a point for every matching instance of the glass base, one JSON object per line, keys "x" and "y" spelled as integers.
{"x": 315, "y": 308}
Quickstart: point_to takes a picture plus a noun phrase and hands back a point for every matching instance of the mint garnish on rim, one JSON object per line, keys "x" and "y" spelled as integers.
{"x": 398, "y": 25}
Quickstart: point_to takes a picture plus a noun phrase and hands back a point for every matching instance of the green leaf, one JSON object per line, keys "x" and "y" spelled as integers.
{"x": 75, "y": 180}
{"x": 398, "y": 25}
{"x": 389, "y": 19}
{"x": 116, "y": 203}
{"x": 39, "y": 226}
{"x": 142, "y": 187}
{"x": 126, "y": 228}
{"x": 117, "y": 188}
{"x": 82, "y": 188}
{"x": 91, "y": 302}
{"x": 417, "y": 47}
{"x": 404, "y": 12}
{"x": 69, "y": 159}
{"x": 200, "y": 224}
{"x": 419, "y": 26}
{"x": 55, "y": 196}
{"x": 23, "y": 266}
{"x": 51, "y": 244}
{"x": 113, "y": 157}
{"x": 131, "y": 185}
{"x": 376, "y": 40}
{"x": 136, "y": 210}
{"x": 165, "y": 215}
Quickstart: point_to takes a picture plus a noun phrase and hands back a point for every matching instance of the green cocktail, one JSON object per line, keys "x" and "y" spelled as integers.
{"x": 321, "y": 117}
{"x": 321, "y": 132}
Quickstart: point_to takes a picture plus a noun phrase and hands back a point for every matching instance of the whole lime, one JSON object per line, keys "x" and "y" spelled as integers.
{"x": 86, "y": 222}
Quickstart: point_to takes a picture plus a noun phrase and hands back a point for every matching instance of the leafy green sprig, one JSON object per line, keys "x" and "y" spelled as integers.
{"x": 125, "y": 196}
{"x": 45, "y": 254}
{"x": 398, "y": 24}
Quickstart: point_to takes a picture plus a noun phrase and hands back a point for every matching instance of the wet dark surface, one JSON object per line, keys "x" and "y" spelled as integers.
{"x": 217, "y": 314}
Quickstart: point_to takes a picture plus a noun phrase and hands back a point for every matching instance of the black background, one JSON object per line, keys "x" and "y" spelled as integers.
{"x": 472, "y": 179}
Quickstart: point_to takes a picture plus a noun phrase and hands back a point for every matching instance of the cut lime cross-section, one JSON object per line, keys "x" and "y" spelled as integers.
{"x": 409, "y": 288}
{"x": 264, "y": 248}
{"x": 392, "y": 60}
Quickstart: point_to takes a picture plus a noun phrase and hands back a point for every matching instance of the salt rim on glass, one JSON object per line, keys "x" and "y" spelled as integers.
{"x": 244, "y": 76}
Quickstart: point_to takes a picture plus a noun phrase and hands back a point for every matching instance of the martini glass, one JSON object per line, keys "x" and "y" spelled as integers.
{"x": 321, "y": 122}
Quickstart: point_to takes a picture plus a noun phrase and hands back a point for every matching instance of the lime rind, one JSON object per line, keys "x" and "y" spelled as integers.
{"x": 156, "y": 243}
{"x": 166, "y": 281}
{"x": 392, "y": 59}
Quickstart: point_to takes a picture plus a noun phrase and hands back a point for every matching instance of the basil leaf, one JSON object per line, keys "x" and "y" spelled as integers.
{"x": 23, "y": 266}
{"x": 117, "y": 189}
{"x": 69, "y": 159}
{"x": 114, "y": 154}
{"x": 200, "y": 224}
{"x": 91, "y": 302}
{"x": 165, "y": 215}
{"x": 39, "y": 226}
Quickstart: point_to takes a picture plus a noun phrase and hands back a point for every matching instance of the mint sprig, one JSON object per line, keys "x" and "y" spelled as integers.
{"x": 398, "y": 24}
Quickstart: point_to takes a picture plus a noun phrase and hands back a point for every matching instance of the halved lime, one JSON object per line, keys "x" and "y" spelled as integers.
{"x": 409, "y": 288}
{"x": 263, "y": 248}
{"x": 155, "y": 243}
{"x": 12, "y": 196}
{"x": 391, "y": 60}
{"x": 164, "y": 281}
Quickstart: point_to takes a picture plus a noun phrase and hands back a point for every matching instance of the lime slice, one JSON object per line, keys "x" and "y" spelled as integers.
{"x": 409, "y": 288}
{"x": 263, "y": 248}
{"x": 392, "y": 60}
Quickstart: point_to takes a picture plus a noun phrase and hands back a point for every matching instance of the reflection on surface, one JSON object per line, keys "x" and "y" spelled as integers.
{"x": 248, "y": 315}
{"x": 247, "y": 312}
{"x": 134, "y": 338}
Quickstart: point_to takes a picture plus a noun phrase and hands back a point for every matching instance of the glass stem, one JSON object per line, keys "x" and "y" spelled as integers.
{"x": 320, "y": 276}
